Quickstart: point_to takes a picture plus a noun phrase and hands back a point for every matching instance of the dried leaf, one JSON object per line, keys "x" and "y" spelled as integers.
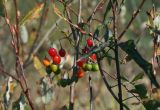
{"x": 32, "y": 14}
{"x": 38, "y": 66}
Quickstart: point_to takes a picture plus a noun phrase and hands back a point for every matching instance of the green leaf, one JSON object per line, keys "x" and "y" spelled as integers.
{"x": 137, "y": 77}
{"x": 141, "y": 90}
{"x": 2, "y": 8}
{"x": 129, "y": 48}
{"x": 95, "y": 49}
{"x": 108, "y": 8}
{"x": 124, "y": 78}
{"x": 152, "y": 105}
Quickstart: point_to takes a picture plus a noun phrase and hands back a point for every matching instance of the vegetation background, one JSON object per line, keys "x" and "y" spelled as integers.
{"x": 60, "y": 96}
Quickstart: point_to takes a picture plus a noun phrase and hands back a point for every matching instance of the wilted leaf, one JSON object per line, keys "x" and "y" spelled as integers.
{"x": 38, "y": 66}
{"x": 137, "y": 77}
{"x": 158, "y": 51}
{"x": 129, "y": 48}
{"x": 32, "y": 14}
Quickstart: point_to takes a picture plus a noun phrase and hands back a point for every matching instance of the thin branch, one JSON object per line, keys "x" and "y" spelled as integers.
{"x": 34, "y": 44}
{"x": 131, "y": 20}
{"x": 47, "y": 35}
{"x": 114, "y": 77}
{"x": 128, "y": 98}
{"x": 80, "y": 11}
{"x": 107, "y": 84}
{"x": 9, "y": 74}
{"x": 99, "y": 5}
{"x": 91, "y": 92}
{"x": 16, "y": 44}
{"x": 114, "y": 11}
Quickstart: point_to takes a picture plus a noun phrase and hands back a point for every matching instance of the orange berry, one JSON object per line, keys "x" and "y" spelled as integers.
{"x": 80, "y": 73}
{"x": 46, "y": 62}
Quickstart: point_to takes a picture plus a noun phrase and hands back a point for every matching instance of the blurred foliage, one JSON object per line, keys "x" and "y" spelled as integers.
{"x": 57, "y": 97}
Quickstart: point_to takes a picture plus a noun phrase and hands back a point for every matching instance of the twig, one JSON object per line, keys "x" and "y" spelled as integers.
{"x": 114, "y": 10}
{"x": 89, "y": 20}
{"x": 27, "y": 62}
{"x": 38, "y": 32}
{"x": 9, "y": 74}
{"x": 114, "y": 77}
{"x": 107, "y": 84}
{"x": 16, "y": 45}
{"x": 131, "y": 20}
{"x": 91, "y": 92}
{"x": 80, "y": 11}
{"x": 128, "y": 98}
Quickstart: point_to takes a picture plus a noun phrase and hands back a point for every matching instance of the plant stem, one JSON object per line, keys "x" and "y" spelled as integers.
{"x": 118, "y": 75}
{"x": 106, "y": 82}
{"x": 115, "y": 35}
{"x": 91, "y": 92}
{"x": 131, "y": 20}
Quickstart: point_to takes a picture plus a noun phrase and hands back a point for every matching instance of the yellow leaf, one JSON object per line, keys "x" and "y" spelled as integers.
{"x": 38, "y": 66}
{"x": 32, "y": 14}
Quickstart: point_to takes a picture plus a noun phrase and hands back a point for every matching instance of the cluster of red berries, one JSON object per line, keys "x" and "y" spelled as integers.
{"x": 87, "y": 64}
{"x": 53, "y": 66}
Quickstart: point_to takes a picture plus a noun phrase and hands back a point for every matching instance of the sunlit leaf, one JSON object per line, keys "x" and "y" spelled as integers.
{"x": 129, "y": 48}
{"x": 39, "y": 67}
{"x": 32, "y": 14}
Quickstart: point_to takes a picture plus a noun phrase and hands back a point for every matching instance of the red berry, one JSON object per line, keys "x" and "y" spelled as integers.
{"x": 93, "y": 57}
{"x": 52, "y": 52}
{"x": 89, "y": 42}
{"x": 62, "y": 52}
{"x": 56, "y": 59}
{"x": 81, "y": 62}
{"x": 85, "y": 50}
